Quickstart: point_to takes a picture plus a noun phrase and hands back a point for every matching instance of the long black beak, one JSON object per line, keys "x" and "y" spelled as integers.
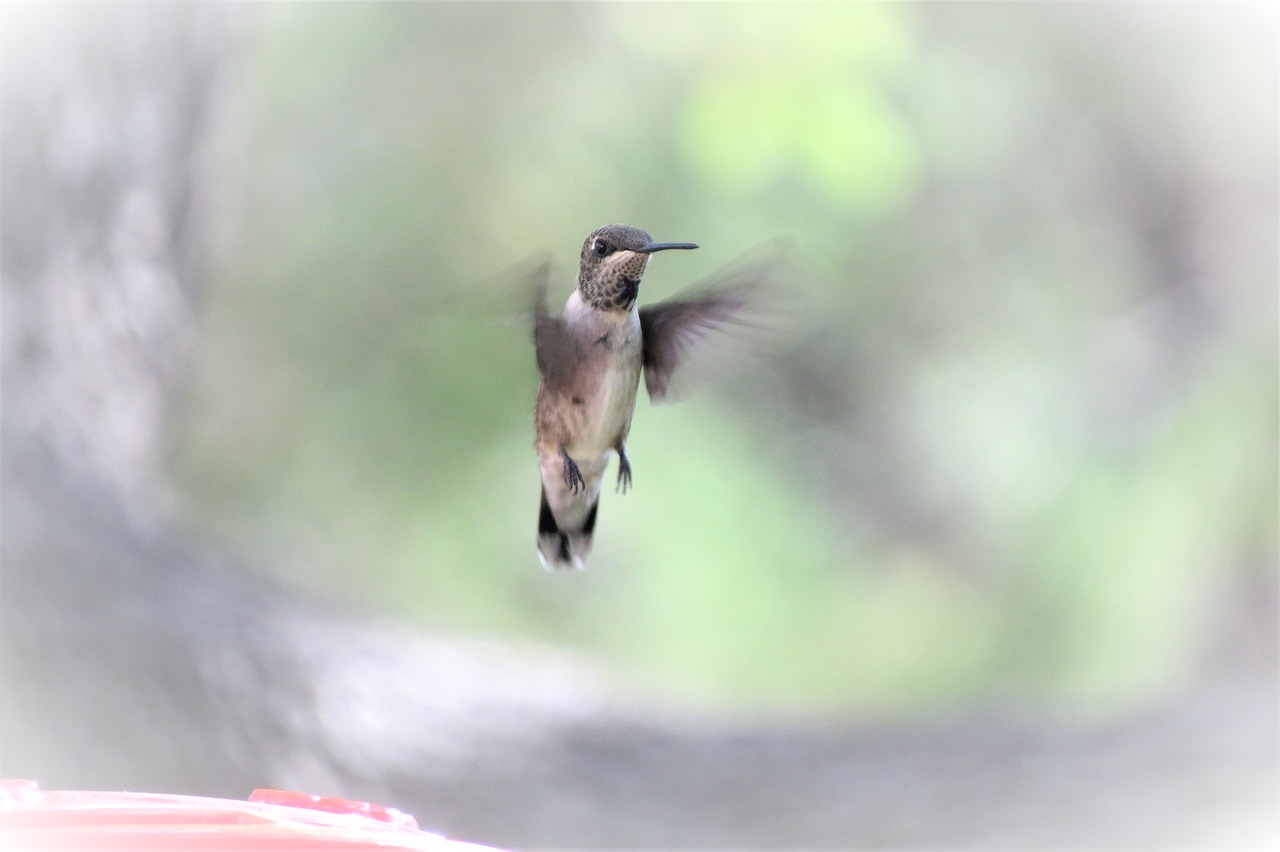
{"x": 649, "y": 248}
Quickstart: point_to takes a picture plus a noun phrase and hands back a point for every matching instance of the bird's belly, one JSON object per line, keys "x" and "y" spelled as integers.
{"x": 606, "y": 413}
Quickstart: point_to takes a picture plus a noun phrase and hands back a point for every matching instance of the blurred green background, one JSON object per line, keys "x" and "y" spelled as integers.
{"x": 1017, "y": 443}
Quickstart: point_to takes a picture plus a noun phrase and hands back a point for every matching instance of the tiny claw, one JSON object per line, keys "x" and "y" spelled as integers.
{"x": 572, "y": 476}
{"x": 624, "y": 473}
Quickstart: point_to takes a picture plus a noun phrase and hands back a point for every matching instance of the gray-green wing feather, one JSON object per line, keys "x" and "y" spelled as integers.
{"x": 557, "y": 351}
{"x": 670, "y": 329}
{"x": 736, "y": 296}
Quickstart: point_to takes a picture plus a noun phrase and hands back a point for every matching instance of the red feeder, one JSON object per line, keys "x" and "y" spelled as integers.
{"x": 35, "y": 819}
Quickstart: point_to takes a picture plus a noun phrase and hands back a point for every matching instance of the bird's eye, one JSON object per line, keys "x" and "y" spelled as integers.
{"x": 601, "y": 248}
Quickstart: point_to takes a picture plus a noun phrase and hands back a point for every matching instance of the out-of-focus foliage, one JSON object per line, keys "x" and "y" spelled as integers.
{"x": 1018, "y": 443}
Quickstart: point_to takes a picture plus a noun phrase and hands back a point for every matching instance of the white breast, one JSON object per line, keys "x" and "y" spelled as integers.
{"x": 614, "y": 339}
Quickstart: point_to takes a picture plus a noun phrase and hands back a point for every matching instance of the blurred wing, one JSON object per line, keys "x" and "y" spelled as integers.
{"x": 676, "y": 329}
{"x": 671, "y": 329}
{"x": 556, "y": 350}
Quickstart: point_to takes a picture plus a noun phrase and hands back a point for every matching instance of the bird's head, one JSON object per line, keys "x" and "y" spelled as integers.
{"x": 613, "y": 262}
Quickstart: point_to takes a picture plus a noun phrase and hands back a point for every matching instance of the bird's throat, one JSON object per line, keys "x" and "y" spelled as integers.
{"x": 625, "y": 296}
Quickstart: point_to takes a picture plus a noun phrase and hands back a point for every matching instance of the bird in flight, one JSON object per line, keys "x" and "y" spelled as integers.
{"x": 590, "y": 358}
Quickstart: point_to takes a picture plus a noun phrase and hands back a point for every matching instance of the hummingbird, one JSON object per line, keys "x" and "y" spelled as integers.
{"x": 590, "y": 359}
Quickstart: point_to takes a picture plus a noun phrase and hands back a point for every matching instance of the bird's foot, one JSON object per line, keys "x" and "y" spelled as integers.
{"x": 572, "y": 476}
{"x": 624, "y": 471}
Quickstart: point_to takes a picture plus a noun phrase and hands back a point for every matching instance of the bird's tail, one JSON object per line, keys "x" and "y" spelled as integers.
{"x": 559, "y": 549}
